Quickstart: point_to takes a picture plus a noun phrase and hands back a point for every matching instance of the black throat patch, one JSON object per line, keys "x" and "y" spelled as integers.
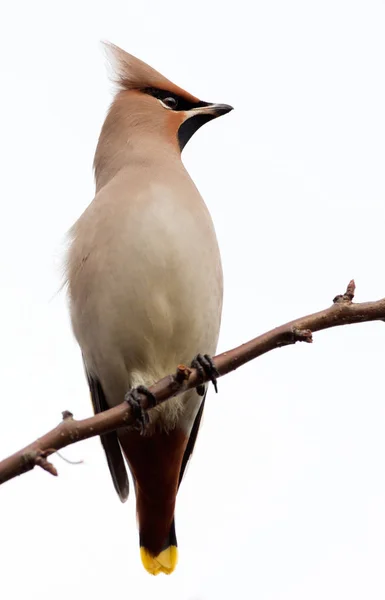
{"x": 190, "y": 126}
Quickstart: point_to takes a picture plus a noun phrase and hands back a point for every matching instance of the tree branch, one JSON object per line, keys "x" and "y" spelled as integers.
{"x": 342, "y": 312}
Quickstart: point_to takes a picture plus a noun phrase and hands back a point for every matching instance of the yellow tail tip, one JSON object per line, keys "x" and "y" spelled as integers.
{"x": 165, "y": 562}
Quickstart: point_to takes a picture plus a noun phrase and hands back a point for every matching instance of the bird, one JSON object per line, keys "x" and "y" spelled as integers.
{"x": 145, "y": 288}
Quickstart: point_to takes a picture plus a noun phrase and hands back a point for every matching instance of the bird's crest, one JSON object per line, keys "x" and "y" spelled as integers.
{"x": 131, "y": 73}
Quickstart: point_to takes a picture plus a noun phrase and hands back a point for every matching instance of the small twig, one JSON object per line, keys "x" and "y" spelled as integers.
{"x": 66, "y": 414}
{"x": 37, "y": 458}
{"x": 348, "y": 296}
{"x": 69, "y": 431}
{"x": 182, "y": 373}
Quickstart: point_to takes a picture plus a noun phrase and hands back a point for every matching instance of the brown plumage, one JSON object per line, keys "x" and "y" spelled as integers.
{"x": 145, "y": 286}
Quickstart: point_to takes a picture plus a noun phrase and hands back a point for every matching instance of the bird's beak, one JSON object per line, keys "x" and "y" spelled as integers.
{"x": 216, "y": 110}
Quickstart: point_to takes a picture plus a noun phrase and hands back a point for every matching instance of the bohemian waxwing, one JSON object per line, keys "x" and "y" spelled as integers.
{"x": 145, "y": 287}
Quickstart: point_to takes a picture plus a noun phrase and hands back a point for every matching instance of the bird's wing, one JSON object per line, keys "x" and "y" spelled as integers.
{"x": 110, "y": 441}
{"x": 192, "y": 439}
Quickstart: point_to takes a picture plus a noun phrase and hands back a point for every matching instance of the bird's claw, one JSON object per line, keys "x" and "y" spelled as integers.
{"x": 133, "y": 399}
{"x": 204, "y": 364}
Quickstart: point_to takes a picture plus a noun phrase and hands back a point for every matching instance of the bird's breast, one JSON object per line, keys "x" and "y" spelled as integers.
{"x": 145, "y": 278}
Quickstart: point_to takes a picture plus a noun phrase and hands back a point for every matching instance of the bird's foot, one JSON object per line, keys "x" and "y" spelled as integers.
{"x": 133, "y": 399}
{"x": 204, "y": 364}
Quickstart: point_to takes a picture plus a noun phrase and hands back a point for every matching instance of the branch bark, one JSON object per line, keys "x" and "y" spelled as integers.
{"x": 342, "y": 312}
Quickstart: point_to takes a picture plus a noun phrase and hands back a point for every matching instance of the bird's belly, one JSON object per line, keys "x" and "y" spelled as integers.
{"x": 144, "y": 303}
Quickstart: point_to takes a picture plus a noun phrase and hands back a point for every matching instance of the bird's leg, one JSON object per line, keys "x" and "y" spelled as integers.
{"x": 204, "y": 364}
{"x": 133, "y": 399}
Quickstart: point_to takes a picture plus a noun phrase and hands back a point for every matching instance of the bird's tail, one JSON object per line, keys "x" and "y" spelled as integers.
{"x": 165, "y": 561}
{"x": 155, "y": 463}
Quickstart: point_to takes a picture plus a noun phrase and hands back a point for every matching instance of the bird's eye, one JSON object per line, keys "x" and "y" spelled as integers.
{"x": 170, "y": 102}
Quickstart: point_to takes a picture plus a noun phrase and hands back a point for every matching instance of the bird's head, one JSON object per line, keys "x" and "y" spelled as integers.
{"x": 148, "y": 105}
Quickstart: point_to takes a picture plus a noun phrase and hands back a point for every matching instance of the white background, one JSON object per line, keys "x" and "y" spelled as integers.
{"x": 285, "y": 495}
